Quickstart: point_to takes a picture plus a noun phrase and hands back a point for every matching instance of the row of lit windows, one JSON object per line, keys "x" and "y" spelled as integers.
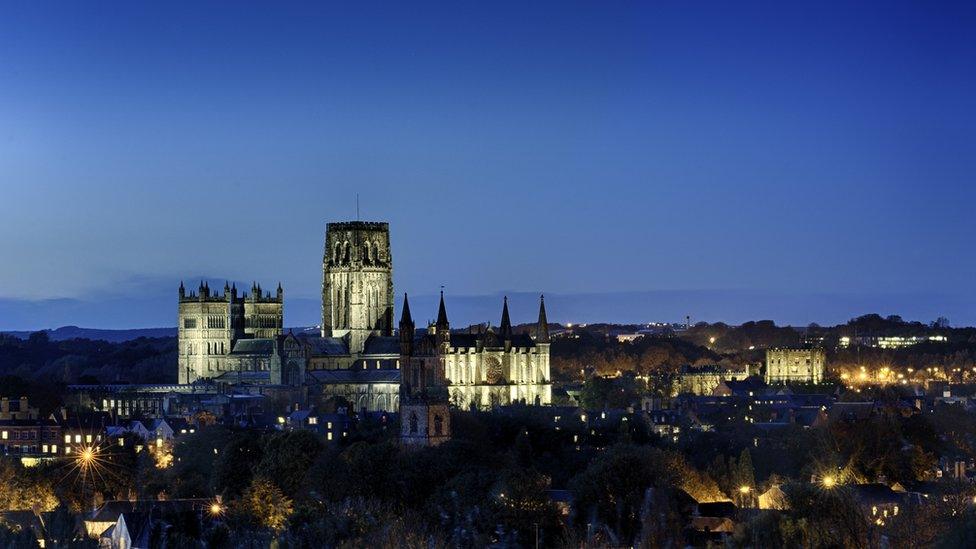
{"x": 378, "y": 364}
{"x": 16, "y": 435}
{"x": 77, "y": 439}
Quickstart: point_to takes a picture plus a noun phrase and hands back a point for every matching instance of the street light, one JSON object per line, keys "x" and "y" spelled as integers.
{"x": 744, "y": 489}
{"x": 828, "y": 482}
{"x": 86, "y": 456}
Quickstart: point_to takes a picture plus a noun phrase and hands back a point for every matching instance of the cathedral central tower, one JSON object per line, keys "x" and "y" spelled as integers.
{"x": 357, "y": 282}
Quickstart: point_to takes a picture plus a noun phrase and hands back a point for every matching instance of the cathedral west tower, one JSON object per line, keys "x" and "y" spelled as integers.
{"x": 357, "y": 282}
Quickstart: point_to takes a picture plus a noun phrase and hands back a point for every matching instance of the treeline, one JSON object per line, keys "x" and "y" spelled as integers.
{"x": 606, "y": 356}
{"x": 38, "y": 359}
{"x": 594, "y": 351}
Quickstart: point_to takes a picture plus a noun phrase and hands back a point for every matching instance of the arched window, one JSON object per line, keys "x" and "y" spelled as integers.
{"x": 413, "y": 423}
{"x": 367, "y": 254}
{"x": 376, "y": 254}
{"x": 438, "y": 425}
{"x": 345, "y": 253}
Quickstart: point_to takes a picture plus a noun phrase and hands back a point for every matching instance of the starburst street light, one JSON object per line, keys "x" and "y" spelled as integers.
{"x": 828, "y": 481}
{"x": 86, "y": 457}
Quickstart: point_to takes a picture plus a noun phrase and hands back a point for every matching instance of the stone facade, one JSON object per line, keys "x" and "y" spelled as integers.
{"x": 795, "y": 365}
{"x": 355, "y": 357}
{"x": 210, "y": 324}
{"x": 357, "y": 282}
{"x": 703, "y": 380}
{"x": 485, "y": 366}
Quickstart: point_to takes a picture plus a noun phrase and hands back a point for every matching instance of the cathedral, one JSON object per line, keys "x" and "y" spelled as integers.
{"x": 357, "y": 356}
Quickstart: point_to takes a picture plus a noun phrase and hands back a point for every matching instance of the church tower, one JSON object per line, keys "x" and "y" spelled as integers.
{"x": 425, "y": 417}
{"x": 357, "y": 282}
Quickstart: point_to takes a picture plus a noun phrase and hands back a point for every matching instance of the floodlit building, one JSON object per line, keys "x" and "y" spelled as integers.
{"x": 790, "y": 365}
{"x": 231, "y": 341}
{"x": 703, "y": 380}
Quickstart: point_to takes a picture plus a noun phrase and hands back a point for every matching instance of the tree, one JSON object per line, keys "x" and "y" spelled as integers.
{"x": 612, "y": 488}
{"x": 23, "y": 490}
{"x": 266, "y": 504}
{"x": 286, "y": 458}
{"x": 746, "y": 479}
{"x": 520, "y": 504}
{"x": 234, "y": 466}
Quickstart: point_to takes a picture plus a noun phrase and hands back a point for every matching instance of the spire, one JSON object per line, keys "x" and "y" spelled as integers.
{"x": 542, "y": 327}
{"x": 406, "y": 328}
{"x": 442, "y": 314}
{"x": 405, "y": 318}
{"x": 182, "y": 290}
{"x": 505, "y": 328}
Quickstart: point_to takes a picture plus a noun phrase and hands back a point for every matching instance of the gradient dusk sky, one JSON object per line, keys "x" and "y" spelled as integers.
{"x": 728, "y": 148}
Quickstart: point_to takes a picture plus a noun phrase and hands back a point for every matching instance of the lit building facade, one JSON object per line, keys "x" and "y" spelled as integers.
{"x": 788, "y": 365}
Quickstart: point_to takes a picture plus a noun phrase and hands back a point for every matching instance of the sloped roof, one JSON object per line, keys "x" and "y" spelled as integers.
{"x": 110, "y": 510}
{"x": 355, "y": 376}
{"x": 717, "y": 509}
{"x": 876, "y": 493}
{"x": 851, "y": 410}
{"x": 249, "y": 376}
{"x": 381, "y": 345}
{"x": 327, "y": 346}
{"x": 262, "y": 346}
{"x": 712, "y": 524}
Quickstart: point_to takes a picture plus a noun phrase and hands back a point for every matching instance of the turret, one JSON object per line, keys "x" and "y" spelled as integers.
{"x": 281, "y": 293}
{"x": 407, "y": 329}
{"x": 442, "y": 328}
{"x": 182, "y": 290}
{"x": 505, "y": 328}
{"x": 542, "y": 326}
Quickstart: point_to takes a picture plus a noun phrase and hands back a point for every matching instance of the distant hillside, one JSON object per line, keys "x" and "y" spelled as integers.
{"x": 118, "y": 336}
{"x": 112, "y": 336}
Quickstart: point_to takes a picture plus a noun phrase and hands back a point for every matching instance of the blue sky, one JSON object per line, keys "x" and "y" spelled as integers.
{"x": 742, "y": 148}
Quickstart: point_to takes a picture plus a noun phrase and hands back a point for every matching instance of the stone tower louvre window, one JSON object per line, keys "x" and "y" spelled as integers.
{"x": 189, "y": 323}
{"x": 367, "y": 256}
